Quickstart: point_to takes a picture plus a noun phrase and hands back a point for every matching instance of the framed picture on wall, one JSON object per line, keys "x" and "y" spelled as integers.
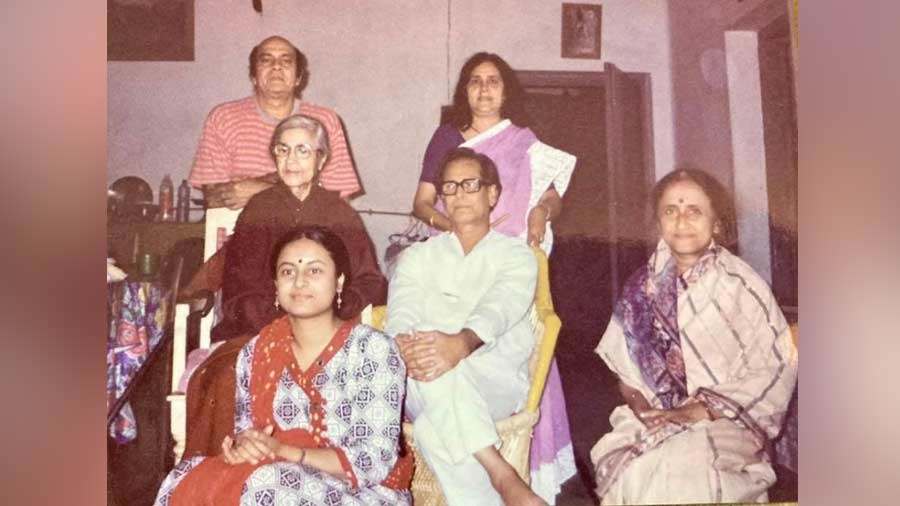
{"x": 150, "y": 30}
{"x": 581, "y": 30}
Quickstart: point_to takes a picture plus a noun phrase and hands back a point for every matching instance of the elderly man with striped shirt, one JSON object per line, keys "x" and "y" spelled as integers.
{"x": 233, "y": 162}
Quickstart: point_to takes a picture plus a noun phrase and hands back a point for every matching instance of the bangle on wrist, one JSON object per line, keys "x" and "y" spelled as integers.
{"x": 431, "y": 220}
{"x": 302, "y": 455}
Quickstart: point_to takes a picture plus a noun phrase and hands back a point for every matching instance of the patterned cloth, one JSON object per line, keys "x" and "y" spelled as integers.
{"x": 349, "y": 399}
{"x": 787, "y": 447}
{"x": 235, "y": 144}
{"x": 739, "y": 360}
{"x": 648, "y": 312}
{"x": 137, "y": 319}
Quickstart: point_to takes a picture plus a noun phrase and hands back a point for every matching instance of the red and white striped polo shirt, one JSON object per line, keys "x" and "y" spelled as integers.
{"x": 235, "y": 144}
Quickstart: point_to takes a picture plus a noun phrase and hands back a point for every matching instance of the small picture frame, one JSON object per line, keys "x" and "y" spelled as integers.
{"x": 150, "y": 30}
{"x": 581, "y": 30}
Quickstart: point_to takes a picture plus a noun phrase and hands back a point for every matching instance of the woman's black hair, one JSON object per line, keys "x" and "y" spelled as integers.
{"x": 513, "y": 107}
{"x": 321, "y": 236}
{"x": 719, "y": 198}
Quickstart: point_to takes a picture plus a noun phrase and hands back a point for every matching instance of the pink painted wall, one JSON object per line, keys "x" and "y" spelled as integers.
{"x": 717, "y": 108}
{"x": 700, "y": 84}
{"x": 385, "y": 67}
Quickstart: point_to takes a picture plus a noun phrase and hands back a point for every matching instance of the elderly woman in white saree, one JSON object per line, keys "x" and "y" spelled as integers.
{"x": 705, "y": 360}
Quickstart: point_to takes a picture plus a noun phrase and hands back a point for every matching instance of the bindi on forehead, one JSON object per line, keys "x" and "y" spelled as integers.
{"x": 311, "y": 260}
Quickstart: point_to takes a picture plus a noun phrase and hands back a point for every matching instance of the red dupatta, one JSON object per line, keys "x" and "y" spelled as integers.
{"x": 215, "y": 482}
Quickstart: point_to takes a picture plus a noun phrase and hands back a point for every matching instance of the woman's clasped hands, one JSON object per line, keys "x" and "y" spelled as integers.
{"x": 251, "y": 446}
{"x": 685, "y": 414}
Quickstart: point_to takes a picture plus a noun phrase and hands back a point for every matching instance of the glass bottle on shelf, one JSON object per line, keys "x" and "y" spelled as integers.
{"x": 183, "y": 208}
{"x": 166, "y": 207}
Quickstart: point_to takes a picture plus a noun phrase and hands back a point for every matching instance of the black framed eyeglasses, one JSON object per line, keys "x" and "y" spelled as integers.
{"x": 471, "y": 185}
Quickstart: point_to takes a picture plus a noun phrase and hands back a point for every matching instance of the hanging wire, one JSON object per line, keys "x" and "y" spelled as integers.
{"x": 389, "y": 213}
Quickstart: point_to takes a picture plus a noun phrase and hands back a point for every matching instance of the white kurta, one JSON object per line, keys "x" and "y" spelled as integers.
{"x": 490, "y": 291}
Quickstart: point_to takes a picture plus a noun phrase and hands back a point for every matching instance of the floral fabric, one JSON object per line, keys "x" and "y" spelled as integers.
{"x": 137, "y": 320}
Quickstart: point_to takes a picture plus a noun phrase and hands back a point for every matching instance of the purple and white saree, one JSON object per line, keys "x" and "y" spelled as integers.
{"x": 715, "y": 335}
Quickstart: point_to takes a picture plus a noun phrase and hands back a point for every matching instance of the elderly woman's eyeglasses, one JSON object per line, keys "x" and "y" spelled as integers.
{"x": 301, "y": 151}
{"x": 471, "y": 185}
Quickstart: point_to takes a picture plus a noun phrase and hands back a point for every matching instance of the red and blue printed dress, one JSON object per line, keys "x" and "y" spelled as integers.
{"x": 349, "y": 399}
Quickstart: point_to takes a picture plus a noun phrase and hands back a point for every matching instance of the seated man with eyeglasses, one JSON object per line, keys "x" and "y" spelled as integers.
{"x": 458, "y": 306}
{"x": 233, "y": 162}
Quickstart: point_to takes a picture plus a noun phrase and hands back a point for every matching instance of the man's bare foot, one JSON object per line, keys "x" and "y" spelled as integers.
{"x": 515, "y": 492}
{"x": 505, "y": 480}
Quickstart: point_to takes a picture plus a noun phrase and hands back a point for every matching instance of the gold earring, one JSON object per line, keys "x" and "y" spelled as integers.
{"x": 339, "y": 300}
{"x": 276, "y": 303}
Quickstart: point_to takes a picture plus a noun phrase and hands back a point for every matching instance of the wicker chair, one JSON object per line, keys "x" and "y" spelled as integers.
{"x": 515, "y": 431}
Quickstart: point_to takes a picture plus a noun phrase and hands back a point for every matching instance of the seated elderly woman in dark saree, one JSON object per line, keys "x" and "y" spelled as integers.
{"x": 705, "y": 360}
{"x": 300, "y": 148}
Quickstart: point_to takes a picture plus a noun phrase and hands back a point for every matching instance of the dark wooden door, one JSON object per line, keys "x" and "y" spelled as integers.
{"x": 629, "y": 175}
{"x": 594, "y": 243}
{"x": 779, "y": 109}
{"x": 567, "y": 111}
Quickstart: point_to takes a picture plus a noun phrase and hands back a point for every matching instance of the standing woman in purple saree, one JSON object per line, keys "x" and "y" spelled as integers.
{"x": 488, "y": 115}
{"x": 705, "y": 361}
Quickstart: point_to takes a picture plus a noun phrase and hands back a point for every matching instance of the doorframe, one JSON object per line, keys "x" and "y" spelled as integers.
{"x": 556, "y": 78}
{"x": 590, "y": 79}
{"x": 749, "y": 174}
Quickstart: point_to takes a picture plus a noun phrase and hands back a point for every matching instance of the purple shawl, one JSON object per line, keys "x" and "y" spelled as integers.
{"x": 648, "y": 313}
{"x": 509, "y": 151}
